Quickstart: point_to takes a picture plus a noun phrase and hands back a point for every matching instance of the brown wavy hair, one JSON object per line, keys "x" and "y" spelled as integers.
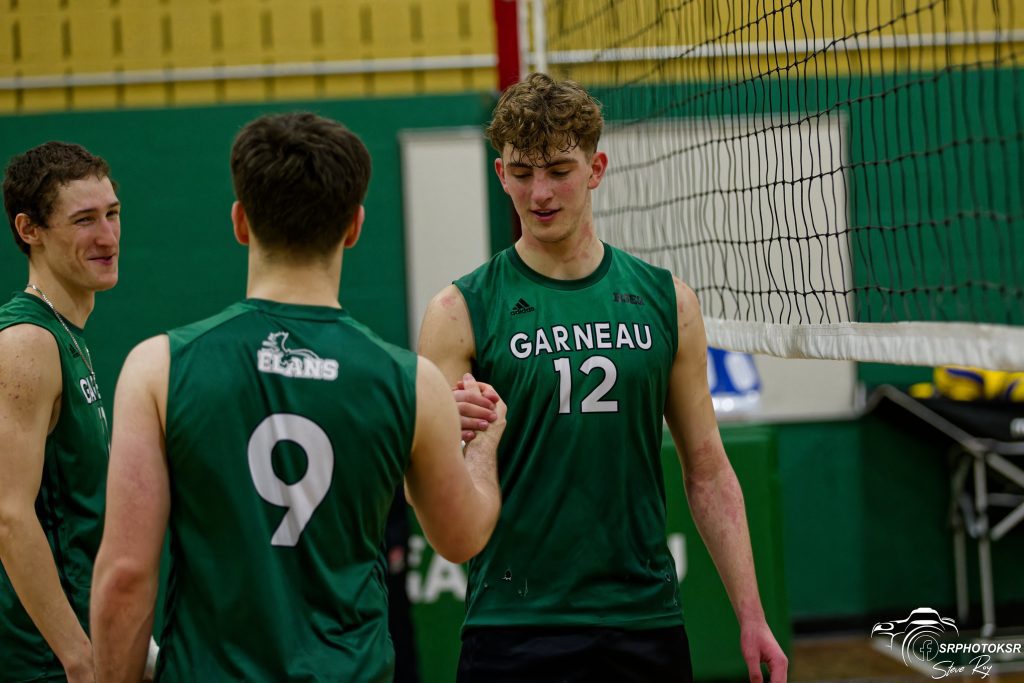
{"x": 540, "y": 115}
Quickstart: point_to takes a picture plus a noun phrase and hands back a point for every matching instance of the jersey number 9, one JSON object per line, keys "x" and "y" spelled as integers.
{"x": 302, "y": 497}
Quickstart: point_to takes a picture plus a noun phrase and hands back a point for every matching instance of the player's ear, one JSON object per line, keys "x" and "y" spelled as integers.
{"x": 240, "y": 222}
{"x": 499, "y": 168}
{"x": 356, "y": 229}
{"x": 598, "y": 165}
{"x": 28, "y": 230}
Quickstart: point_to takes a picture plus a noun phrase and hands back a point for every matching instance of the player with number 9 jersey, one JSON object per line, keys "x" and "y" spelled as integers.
{"x": 267, "y": 451}
{"x": 270, "y": 440}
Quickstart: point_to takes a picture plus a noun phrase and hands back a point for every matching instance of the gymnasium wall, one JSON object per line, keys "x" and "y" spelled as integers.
{"x": 179, "y": 260}
{"x": 153, "y": 53}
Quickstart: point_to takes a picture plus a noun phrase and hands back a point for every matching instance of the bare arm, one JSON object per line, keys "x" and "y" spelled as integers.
{"x": 713, "y": 492}
{"x": 138, "y": 503}
{"x": 457, "y": 500}
{"x": 30, "y": 391}
{"x": 446, "y": 339}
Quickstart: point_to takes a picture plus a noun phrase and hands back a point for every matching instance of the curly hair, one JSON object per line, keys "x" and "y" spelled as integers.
{"x": 33, "y": 180}
{"x": 539, "y": 115}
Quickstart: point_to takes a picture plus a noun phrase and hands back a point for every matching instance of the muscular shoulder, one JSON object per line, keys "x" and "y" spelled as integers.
{"x": 686, "y": 298}
{"x": 450, "y": 305}
{"x": 446, "y": 336}
{"x": 689, "y": 320}
{"x": 29, "y": 366}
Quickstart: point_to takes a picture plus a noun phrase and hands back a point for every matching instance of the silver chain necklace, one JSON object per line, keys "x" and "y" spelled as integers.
{"x": 86, "y": 357}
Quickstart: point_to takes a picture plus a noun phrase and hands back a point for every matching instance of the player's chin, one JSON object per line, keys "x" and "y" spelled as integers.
{"x": 105, "y": 281}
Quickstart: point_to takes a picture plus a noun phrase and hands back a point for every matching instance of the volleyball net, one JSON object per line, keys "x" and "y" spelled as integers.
{"x": 834, "y": 178}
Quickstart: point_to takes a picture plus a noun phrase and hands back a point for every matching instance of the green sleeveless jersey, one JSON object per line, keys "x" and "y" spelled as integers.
{"x": 289, "y": 429}
{"x": 70, "y": 501}
{"x": 584, "y": 368}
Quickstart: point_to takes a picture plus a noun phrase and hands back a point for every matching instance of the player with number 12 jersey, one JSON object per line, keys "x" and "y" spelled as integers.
{"x": 586, "y": 363}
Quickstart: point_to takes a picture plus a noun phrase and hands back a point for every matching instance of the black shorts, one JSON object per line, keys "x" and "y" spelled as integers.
{"x": 565, "y": 655}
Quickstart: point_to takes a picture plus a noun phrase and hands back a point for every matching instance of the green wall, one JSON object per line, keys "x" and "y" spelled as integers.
{"x": 866, "y": 518}
{"x": 179, "y": 260}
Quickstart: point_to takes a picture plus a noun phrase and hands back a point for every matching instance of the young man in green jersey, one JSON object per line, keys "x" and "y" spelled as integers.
{"x": 270, "y": 439}
{"x": 65, "y": 216}
{"x": 591, "y": 348}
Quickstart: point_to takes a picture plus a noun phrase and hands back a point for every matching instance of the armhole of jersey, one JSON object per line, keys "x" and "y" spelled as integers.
{"x": 414, "y": 410}
{"x": 674, "y": 313}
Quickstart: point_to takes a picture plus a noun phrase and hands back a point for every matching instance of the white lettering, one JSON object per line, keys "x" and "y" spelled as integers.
{"x": 330, "y": 370}
{"x": 542, "y": 343}
{"x": 642, "y": 343}
{"x": 561, "y": 335}
{"x": 622, "y": 339}
{"x": 277, "y": 363}
{"x": 981, "y": 665}
{"x": 583, "y": 337}
{"x": 443, "y": 577}
{"x": 520, "y": 345}
{"x": 604, "y": 334}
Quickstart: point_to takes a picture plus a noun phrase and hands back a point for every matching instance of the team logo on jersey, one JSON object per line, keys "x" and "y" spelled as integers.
{"x": 622, "y": 298}
{"x": 90, "y": 391}
{"x": 522, "y": 307}
{"x": 278, "y": 359}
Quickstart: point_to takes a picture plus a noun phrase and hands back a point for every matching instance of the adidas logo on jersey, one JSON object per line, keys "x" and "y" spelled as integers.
{"x": 277, "y": 359}
{"x": 522, "y": 307}
{"x": 623, "y": 298}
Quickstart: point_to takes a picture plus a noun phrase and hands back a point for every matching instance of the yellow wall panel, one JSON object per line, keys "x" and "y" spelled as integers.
{"x": 391, "y": 29}
{"x": 341, "y": 30}
{"x": 91, "y": 44}
{"x": 103, "y": 97}
{"x": 57, "y": 36}
{"x": 195, "y": 93}
{"x": 146, "y": 95}
{"x": 141, "y": 40}
{"x": 291, "y": 32}
{"x": 242, "y": 34}
{"x": 191, "y": 37}
{"x": 8, "y": 102}
{"x": 10, "y": 44}
{"x": 344, "y": 85}
{"x": 245, "y": 91}
{"x": 50, "y": 99}
{"x": 400, "y": 83}
{"x": 300, "y": 88}
{"x": 41, "y": 45}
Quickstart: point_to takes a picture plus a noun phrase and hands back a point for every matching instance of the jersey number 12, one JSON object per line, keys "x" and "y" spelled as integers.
{"x": 592, "y": 403}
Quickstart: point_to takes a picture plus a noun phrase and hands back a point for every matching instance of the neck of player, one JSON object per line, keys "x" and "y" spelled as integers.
{"x": 308, "y": 282}
{"x": 572, "y": 258}
{"x": 73, "y": 303}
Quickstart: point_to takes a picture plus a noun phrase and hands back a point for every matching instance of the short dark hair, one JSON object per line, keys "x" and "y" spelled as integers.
{"x": 33, "y": 180}
{"x": 539, "y": 114}
{"x": 300, "y": 179}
